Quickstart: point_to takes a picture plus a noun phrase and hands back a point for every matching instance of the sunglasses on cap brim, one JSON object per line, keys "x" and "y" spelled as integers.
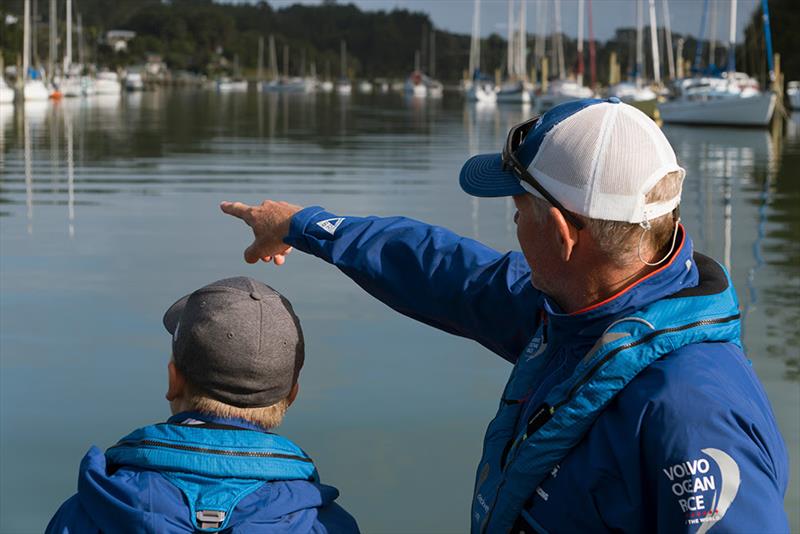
{"x": 515, "y": 137}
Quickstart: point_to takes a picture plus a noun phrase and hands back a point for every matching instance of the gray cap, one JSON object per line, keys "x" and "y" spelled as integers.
{"x": 237, "y": 340}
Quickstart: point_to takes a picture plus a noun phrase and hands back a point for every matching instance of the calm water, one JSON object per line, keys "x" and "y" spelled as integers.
{"x": 108, "y": 213}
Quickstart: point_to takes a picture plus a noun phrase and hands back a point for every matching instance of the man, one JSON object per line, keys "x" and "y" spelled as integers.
{"x": 237, "y": 350}
{"x": 631, "y": 406}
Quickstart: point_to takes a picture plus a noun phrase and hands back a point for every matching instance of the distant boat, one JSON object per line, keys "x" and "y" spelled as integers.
{"x": 718, "y": 101}
{"x": 420, "y": 85}
{"x": 326, "y": 86}
{"x": 343, "y": 85}
{"x": 733, "y": 99}
{"x": 642, "y": 98}
{"x": 107, "y": 83}
{"x": 6, "y": 92}
{"x": 228, "y": 85}
{"x": 478, "y": 88}
{"x": 513, "y": 92}
{"x": 134, "y": 81}
{"x": 481, "y": 90}
{"x": 33, "y": 87}
{"x": 364, "y": 86}
{"x": 793, "y": 92}
{"x": 560, "y": 91}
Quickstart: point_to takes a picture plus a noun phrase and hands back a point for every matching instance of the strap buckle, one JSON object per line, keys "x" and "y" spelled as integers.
{"x": 210, "y": 518}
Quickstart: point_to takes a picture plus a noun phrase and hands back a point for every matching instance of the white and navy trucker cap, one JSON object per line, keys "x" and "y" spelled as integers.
{"x": 598, "y": 157}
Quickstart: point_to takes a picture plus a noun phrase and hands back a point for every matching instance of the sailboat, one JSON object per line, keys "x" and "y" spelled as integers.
{"x": 477, "y": 88}
{"x": 515, "y": 89}
{"x": 563, "y": 90}
{"x": 343, "y": 85}
{"x": 232, "y": 85}
{"x": 635, "y": 92}
{"x": 6, "y": 92}
{"x": 793, "y": 92}
{"x": 33, "y": 87}
{"x": 732, "y": 99}
{"x": 286, "y": 83}
{"x": 420, "y": 85}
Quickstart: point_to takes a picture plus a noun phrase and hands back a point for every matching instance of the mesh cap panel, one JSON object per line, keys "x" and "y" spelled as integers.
{"x": 602, "y": 161}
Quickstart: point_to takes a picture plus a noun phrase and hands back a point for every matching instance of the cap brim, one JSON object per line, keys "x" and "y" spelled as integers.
{"x": 173, "y": 315}
{"x": 483, "y": 176}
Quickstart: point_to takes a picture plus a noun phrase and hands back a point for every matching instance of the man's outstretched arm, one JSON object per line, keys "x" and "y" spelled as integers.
{"x": 425, "y": 272}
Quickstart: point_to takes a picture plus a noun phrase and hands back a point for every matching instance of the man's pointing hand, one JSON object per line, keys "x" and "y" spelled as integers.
{"x": 270, "y": 223}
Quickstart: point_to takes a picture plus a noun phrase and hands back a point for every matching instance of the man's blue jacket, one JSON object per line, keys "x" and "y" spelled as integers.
{"x": 686, "y": 443}
{"x": 198, "y": 473}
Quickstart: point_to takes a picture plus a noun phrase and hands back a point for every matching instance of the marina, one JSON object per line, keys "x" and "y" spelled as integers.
{"x": 113, "y": 205}
{"x": 109, "y": 196}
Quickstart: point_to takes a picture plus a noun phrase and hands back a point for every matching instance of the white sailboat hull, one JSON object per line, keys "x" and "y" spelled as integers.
{"x": 794, "y": 97}
{"x": 35, "y": 90}
{"x": 513, "y": 97}
{"x": 477, "y": 93}
{"x": 725, "y": 111}
{"x": 6, "y": 93}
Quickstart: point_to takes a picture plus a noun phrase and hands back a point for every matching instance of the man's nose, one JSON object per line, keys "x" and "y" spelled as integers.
{"x": 516, "y": 216}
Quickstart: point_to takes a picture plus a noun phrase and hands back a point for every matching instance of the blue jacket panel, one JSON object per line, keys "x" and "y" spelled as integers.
{"x": 665, "y": 453}
{"x": 133, "y": 491}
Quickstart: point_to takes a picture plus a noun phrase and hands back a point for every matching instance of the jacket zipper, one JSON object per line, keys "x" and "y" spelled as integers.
{"x": 192, "y": 448}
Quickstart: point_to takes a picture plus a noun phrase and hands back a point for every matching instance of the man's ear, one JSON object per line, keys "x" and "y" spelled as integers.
{"x": 177, "y": 382}
{"x": 293, "y": 392}
{"x": 566, "y": 234}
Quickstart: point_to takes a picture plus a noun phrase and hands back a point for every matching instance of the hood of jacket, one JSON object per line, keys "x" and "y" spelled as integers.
{"x": 238, "y": 477}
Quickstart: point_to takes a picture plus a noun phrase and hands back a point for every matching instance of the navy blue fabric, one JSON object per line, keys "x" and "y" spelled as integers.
{"x": 135, "y": 497}
{"x": 483, "y": 175}
{"x": 622, "y": 475}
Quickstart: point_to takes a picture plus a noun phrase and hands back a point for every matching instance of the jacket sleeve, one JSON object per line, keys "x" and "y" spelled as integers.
{"x": 429, "y": 274}
{"x": 716, "y": 458}
{"x": 71, "y": 518}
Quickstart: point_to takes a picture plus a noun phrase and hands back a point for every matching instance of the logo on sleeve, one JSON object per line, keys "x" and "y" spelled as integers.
{"x": 330, "y": 225}
{"x": 705, "y": 487}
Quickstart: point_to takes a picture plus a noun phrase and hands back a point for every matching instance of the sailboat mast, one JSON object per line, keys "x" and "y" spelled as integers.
{"x": 286, "y": 60}
{"x": 522, "y": 52}
{"x": 654, "y": 43}
{"x": 698, "y": 53}
{"x": 80, "y": 41}
{"x": 732, "y": 42}
{"x": 53, "y": 27}
{"x": 343, "y": 66}
{"x": 580, "y": 42}
{"x": 260, "y": 74}
{"x": 68, "y": 49}
{"x": 768, "y": 39}
{"x": 432, "y": 59}
{"x": 560, "y": 45}
{"x": 475, "y": 41}
{"x": 668, "y": 38}
{"x": 26, "y": 40}
{"x": 510, "y": 48}
{"x": 273, "y": 59}
{"x": 639, "y": 43}
{"x": 712, "y": 37}
{"x": 592, "y": 55}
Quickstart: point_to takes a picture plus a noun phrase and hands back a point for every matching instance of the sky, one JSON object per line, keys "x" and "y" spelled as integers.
{"x": 456, "y": 15}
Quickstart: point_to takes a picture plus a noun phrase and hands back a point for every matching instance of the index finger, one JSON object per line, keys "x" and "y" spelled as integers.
{"x": 237, "y": 209}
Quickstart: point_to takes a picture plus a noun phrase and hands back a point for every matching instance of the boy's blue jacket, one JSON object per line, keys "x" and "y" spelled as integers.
{"x": 198, "y": 473}
{"x": 639, "y": 414}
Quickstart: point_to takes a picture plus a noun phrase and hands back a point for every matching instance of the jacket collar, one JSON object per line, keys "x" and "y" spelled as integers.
{"x": 680, "y": 272}
{"x": 191, "y": 418}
